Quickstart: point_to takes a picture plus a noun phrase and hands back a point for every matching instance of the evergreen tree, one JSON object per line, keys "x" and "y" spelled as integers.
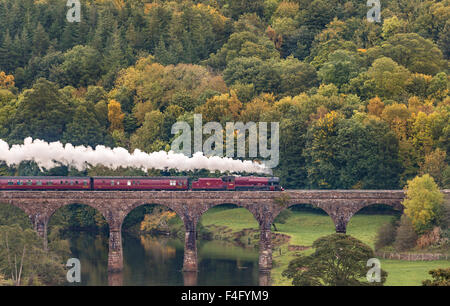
{"x": 41, "y": 41}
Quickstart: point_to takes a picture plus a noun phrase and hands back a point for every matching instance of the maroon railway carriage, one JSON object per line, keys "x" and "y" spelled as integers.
{"x": 44, "y": 183}
{"x": 140, "y": 183}
{"x": 238, "y": 183}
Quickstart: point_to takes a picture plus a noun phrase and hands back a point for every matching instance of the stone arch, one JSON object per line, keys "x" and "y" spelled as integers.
{"x": 249, "y": 208}
{"x": 132, "y": 205}
{"x": 279, "y": 209}
{"x": 397, "y": 206}
{"x": 325, "y": 207}
{"x": 308, "y": 208}
{"x": 104, "y": 212}
{"x": 340, "y": 211}
{"x": 138, "y": 204}
{"x": 394, "y": 208}
{"x": 262, "y": 214}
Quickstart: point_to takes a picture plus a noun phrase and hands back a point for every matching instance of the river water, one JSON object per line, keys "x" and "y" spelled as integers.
{"x": 158, "y": 260}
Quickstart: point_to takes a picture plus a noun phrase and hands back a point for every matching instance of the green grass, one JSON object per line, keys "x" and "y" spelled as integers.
{"x": 305, "y": 227}
{"x": 410, "y": 273}
{"x": 237, "y": 219}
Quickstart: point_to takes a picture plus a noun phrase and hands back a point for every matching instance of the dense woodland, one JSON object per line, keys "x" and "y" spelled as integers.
{"x": 360, "y": 104}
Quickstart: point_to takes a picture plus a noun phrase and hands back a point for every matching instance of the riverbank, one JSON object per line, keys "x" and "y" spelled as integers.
{"x": 301, "y": 229}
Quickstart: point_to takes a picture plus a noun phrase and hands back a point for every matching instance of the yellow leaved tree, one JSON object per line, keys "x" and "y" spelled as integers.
{"x": 158, "y": 220}
{"x": 6, "y": 80}
{"x": 115, "y": 115}
{"x": 423, "y": 203}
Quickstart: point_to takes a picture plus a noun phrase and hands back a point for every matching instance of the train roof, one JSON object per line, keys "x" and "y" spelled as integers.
{"x": 45, "y": 177}
{"x": 141, "y": 177}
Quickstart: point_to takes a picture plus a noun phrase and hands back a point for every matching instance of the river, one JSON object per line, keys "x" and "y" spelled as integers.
{"x": 158, "y": 260}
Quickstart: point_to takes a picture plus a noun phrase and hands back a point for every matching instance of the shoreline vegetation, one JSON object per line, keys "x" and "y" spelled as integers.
{"x": 299, "y": 231}
{"x": 296, "y": 234}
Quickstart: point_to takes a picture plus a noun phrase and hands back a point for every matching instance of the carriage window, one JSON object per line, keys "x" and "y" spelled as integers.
{"x": 118, "y": 182}
{"x": 71, "y": 182}
{"x": 19, "y": 183}
{"x": 129, "y": 183}
{"x": 50, "y": 183}
{"x": 61, "y": 182}
{"x": 39, "y": 183}
{"x": 112, "y": 182}
{"x": 76, "y": 182}
{"x": 10, "y": 183}
{"x": 85, "y": 183}
{"x": 29, "y": 183}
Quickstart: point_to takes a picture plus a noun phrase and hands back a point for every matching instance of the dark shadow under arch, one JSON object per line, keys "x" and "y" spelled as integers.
{"x": 135, "y": 216}
{"x": 380, "y": 209}
{"x": 78, "y": 216}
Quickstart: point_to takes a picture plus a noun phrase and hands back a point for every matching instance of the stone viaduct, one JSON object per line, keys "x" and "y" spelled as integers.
{"x": 340, "y": 205}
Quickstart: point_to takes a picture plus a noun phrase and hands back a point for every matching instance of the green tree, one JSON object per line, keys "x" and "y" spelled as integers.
{"x": 41, "y": 41}
{"x": 24, "y": 261}
{"x": 389, "y": 78}
{"x": 339, "y": 69}
{"x": 148, "y": 136}
{"x": 440, "y": 277}
{"x": 351, "y": 153}
{"x": 84, "y": 129}
{"x": 413, "y": 52}
{"x": 338, "y": 260}
{"x": 243, "y": 44}
{"x": 42, "y": 112}
{"x": 81, "y": 67}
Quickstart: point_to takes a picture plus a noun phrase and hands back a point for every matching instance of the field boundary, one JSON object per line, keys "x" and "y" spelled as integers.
{"x": 413, "y": 256}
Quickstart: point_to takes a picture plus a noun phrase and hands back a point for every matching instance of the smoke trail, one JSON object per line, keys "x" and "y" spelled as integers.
{"x": 47, "y": 154}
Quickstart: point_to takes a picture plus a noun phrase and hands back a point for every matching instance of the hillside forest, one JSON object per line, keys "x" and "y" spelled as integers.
{"x": 360, "y": 104}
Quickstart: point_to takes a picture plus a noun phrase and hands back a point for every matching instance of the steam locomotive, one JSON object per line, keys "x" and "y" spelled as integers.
{"x": 231, "y": 183}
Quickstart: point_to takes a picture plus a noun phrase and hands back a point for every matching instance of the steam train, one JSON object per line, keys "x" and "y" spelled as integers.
{"x": 231, "y": 183}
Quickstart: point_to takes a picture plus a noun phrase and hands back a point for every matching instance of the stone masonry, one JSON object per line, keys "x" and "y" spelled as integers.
{"x": 340, "y": 205}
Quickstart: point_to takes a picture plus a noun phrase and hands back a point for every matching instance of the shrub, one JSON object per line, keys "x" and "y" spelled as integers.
{"x": 430, "y": 238}
{"x": 385, "y": 236}
{"x": 406, "y": 236}
{"x": 441, "y": 277}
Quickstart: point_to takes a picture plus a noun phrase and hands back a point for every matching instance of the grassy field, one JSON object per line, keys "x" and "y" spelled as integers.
{"x": 305, "y": 227}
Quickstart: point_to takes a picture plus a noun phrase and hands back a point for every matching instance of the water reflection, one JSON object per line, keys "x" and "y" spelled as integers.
{"x": 190, "y": 278}
{"x": 150, "y": 260}
{"x": 115, "y": 279}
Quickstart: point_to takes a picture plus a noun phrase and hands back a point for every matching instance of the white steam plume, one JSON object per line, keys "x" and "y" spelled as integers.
{"x": 46, "y": 155}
